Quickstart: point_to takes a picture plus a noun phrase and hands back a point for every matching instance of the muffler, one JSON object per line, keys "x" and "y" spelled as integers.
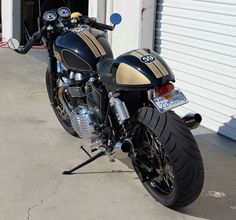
{"x": 121, "y": 150}
{"x": 192, "y": 120}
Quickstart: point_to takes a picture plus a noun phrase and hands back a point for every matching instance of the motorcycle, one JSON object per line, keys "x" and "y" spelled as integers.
{"x": 122, "y": 107}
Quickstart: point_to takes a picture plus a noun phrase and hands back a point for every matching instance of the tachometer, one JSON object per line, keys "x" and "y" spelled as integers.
{"x": 64, "y": 12}
{"x": 50, "y": 16}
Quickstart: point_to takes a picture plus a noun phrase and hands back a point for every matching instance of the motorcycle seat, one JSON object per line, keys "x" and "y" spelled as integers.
{"x": 104, "y": 69}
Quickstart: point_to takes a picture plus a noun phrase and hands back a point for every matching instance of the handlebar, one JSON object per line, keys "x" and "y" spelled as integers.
{"x": 36, "y": 36}
{"x": 94, "y": 23}
{"x": 102, "y": 26}
{"x": 81, "y": 20}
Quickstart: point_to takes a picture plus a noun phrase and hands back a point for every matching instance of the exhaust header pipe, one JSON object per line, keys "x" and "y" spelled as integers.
{"x": 192, "y": 120}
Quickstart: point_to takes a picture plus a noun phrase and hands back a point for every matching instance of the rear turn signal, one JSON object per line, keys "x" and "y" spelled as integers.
{"x": 165, "y": 89}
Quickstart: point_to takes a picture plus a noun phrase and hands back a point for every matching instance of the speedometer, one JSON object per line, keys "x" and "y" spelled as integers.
{"x": 64, "y": 12}
{"x": 49, "y": 16}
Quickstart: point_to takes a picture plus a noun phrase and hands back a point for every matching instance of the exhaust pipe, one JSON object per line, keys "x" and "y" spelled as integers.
{"x": 192, "y": 120}
{"x": 121, "y": 150}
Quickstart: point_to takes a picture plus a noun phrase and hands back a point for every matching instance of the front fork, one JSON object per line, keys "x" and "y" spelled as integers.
{"x": 52, "y": 82}
{"x": 52, "y": 67}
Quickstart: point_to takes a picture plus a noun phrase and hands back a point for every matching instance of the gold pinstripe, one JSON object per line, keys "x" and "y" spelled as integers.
{"x": 157, "y": 63}
{"x": 95, "y": 41}
{"x": 151, "y": 66}
{"x": 57, "y": 55}
{"x": 161, "y": 67}
{"x": 90, "y": 44}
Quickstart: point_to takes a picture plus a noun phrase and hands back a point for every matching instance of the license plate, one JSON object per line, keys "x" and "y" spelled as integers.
{"x": 172, "y": 100}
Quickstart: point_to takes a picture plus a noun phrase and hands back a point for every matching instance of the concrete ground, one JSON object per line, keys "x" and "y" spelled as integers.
{"x": 34, "y": 150}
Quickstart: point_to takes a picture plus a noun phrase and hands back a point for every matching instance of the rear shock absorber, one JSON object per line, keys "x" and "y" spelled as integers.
{"x": 119, "y": 108}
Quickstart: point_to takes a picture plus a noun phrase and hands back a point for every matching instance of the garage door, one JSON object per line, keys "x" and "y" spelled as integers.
{"x": 197, "y": 38}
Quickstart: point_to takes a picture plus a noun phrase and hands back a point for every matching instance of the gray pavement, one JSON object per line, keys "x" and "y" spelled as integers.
{"x": 34, "y": 150}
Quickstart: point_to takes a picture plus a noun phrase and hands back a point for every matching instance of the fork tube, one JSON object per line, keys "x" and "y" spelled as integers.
{"x": 52, "y": 64}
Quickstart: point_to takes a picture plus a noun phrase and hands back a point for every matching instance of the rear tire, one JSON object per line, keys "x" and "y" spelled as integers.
{"x": 182, "y": 172}
{"x": 66, "y": 124}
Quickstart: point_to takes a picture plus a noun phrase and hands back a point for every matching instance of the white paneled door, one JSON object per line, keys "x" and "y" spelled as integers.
{"x": 197, "y": 38}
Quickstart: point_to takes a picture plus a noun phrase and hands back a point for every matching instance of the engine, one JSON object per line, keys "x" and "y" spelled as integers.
{"x": 85, "y": 123}
{"x": 89, "y": 103}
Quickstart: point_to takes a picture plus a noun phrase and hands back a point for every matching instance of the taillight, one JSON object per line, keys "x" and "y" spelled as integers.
{"x": 162, "y": 90}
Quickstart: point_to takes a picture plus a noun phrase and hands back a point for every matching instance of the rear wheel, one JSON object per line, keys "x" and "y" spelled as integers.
{"x": 167, "y": 159}
{"x": 58, "y": 107}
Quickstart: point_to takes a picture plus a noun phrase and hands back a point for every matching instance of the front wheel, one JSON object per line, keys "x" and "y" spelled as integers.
{"x": 58, "y": 107}
{"x": 166, "y": 158}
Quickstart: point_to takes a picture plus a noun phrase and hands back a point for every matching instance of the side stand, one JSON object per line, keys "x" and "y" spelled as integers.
{"x": 69, "y": 172}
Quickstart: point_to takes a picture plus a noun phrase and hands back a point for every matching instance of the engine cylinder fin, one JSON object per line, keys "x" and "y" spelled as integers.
{"x": 83, "y": 122}
{"x": 76, "y": 92}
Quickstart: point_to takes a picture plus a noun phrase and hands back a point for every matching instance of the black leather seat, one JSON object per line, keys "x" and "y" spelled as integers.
{"x": 104, "y": 68}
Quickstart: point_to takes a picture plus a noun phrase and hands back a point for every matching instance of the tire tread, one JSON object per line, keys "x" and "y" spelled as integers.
{"x": 183, "y": 153}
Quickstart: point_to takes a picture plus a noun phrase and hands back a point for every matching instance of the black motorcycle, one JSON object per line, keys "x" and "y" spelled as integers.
{"x": 122, "y": 106}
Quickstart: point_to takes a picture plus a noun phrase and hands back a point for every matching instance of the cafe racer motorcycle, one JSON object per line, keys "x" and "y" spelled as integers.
{"x": 122, "y": 107}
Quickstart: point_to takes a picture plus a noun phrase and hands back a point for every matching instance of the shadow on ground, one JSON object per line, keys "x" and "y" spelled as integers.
{"x": 218, "y": 198}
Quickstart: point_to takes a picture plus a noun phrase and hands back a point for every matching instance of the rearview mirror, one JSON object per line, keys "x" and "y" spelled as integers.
{"x": 116, "y": 18}
{"x": 13, "y": 43}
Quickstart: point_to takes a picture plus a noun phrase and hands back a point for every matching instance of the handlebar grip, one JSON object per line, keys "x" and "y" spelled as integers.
{"x": 28, "y": 45}
{"x": 97, "y": 25}
{"x": 94, "y": 23}
{"x": 36, "y": 36}
{"x": 105, "y": 26}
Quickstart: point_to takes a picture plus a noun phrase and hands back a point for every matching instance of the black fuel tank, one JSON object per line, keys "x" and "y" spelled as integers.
{"x": 80, "y": 49}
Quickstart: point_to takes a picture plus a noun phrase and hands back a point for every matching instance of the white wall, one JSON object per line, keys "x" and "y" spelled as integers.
{"x": 11, "y": 19}
{"x": 148, "y": 20}
{"x": 137, "y": 27}
{"x": 97, "y": 9}
{"x": 127, "y": 35}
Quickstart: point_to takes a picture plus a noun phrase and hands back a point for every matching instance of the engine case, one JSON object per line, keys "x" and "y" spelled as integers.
{"x": 84, "y": 122}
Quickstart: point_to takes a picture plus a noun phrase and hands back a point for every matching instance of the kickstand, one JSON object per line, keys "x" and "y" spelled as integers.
{"x": 69, "y": 172}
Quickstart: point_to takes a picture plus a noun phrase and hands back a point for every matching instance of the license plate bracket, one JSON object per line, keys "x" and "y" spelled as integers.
{"x": 169, "y": 101}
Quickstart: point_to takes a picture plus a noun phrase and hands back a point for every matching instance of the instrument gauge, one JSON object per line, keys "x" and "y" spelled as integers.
{"x": 50, "y": 16}
{"x": 64, "y": 12}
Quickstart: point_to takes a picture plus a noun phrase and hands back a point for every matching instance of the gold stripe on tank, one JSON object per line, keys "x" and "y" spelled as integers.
{"x": 90, "y": 44}
{"x": 96, "y": 43}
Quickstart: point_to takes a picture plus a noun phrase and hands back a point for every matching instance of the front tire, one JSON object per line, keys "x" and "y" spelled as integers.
{"x": 167, "y": 159}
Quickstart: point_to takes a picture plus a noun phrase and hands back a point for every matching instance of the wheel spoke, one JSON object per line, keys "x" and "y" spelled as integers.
{"x": 166, "y": 181}
{"x": 162, "y": 178}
